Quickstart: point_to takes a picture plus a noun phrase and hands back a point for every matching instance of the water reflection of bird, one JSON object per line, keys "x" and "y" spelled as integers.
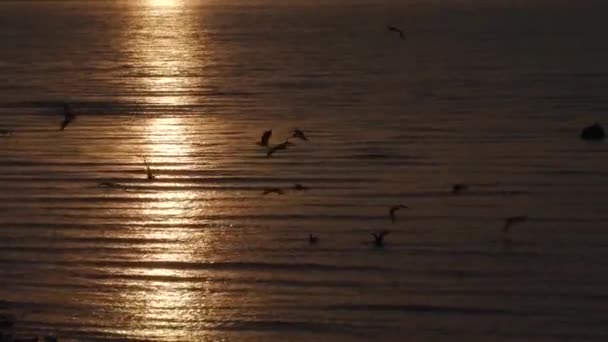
{"x": 273, "y": 191}
{"x": 300, "y": 187}
{"x": 509, "y": 221}
{"x": 265, "y": 138}
{"x": 395, "y": 29}
{"x": 393, "y": 209}
{"x": 379, "y": 238}
{"x": 281, "y": 146}
{"x": 110, "y": 185}
{"x": 149, "y": 173}
{"x": 69, "y": 116}
{"x": 312, "y": 240}
{"x": 297, "y": 133}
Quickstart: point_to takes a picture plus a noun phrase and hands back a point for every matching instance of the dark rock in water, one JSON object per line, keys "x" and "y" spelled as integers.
{"x": 593, "y": 132}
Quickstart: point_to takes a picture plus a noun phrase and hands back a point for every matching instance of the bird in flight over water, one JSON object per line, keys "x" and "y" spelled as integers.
{"x": 398, "y": 30}
{"x": 393, "y": 209}
{"x": 281, "y": 146}
{"x": 68, "y": 116}
{"x": 312, "y": 240}
{"x": 149, "y": 173}
{"x": 297, "y": 133}
{"x": 273, "y": 191}
{"x": 379, "y": 238}
{"x": 509, "y": 221}
{"x": 265, "y": 138}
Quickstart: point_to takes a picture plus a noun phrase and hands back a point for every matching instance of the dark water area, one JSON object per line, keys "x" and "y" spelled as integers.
{"x": 489, "y": 94}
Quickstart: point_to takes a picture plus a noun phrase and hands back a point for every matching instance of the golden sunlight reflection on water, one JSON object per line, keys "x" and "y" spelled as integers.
{"x": 165, "y": 54}
{"x": 166, "y": 44}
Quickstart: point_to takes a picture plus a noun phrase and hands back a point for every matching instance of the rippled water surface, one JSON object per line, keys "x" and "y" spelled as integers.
{"x": 490, "y": 94}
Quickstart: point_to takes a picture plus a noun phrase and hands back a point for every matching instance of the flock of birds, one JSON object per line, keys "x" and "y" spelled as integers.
{"x": 378, "y": 237}
{"x": 594, "y": 133}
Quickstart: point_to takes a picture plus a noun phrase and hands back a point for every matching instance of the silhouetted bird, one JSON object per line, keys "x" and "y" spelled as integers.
{"x": 149, "y": 173}
{"x": 513, "y": 220}
{"x": 458, "y": 188}
{"x": 393, "y": 209}
{"x": 312, "y": 240}
{"x": 395, "y": 29}
{"x": 68, "y": 116}
{"x": 296, "y": 133}
{"x": 265, "y": 138}
{"x": 379, "y": 238}
{"x": 281, "y": 146}
{"x": 273, "y": 191}
{"x": 593, "y": 132}
{"x": 300, "y": 187}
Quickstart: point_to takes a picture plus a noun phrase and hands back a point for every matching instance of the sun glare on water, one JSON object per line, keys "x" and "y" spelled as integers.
{"x": 164, "y": 3}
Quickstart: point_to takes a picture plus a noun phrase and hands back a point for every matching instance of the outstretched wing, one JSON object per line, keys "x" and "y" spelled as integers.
{"x": 266, "y": 137}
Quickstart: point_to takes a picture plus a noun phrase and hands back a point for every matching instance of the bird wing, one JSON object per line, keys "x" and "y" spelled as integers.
{"x": 266, "y": 137}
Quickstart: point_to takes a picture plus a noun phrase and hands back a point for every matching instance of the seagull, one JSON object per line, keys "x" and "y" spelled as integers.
{"x": 68, "y": 116}
{"x": 300, "y": 187}
{"x": 509, "y": 221}
{"x": 149, "y": 171}
{"x": 393, "y": 209}
{"x": 379, "y": 238}
{"x": 395, "y": 29}
{"x": 265, "y": 137}
{"x": 273, "y": 190}
{"x": 458, "y": 188}
{"x": 297, "y": 133}
{"x": 312, "y": 240}
{"x": 281, "y": 146}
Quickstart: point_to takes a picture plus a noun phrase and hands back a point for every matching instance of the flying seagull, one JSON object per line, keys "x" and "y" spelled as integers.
{"x": 281, "y": 146}
{"x": 68, "y": 116}
{"x": 297, "y": 133}
{"x": 312, "y": 240}
{"x": 379, "y": 238}
{"x": 395, "y": 29}
{"x": 458, "y": 188}
{"x": 149, "y": 173}
{"x": 509, "y": 221}
{"x": 265, "y": 137}
{"x": 393, "y": 209}
{"x": 273, "y": 191}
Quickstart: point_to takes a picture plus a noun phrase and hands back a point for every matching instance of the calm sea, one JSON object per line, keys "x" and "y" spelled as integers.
{"x": 491, "y": 94}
